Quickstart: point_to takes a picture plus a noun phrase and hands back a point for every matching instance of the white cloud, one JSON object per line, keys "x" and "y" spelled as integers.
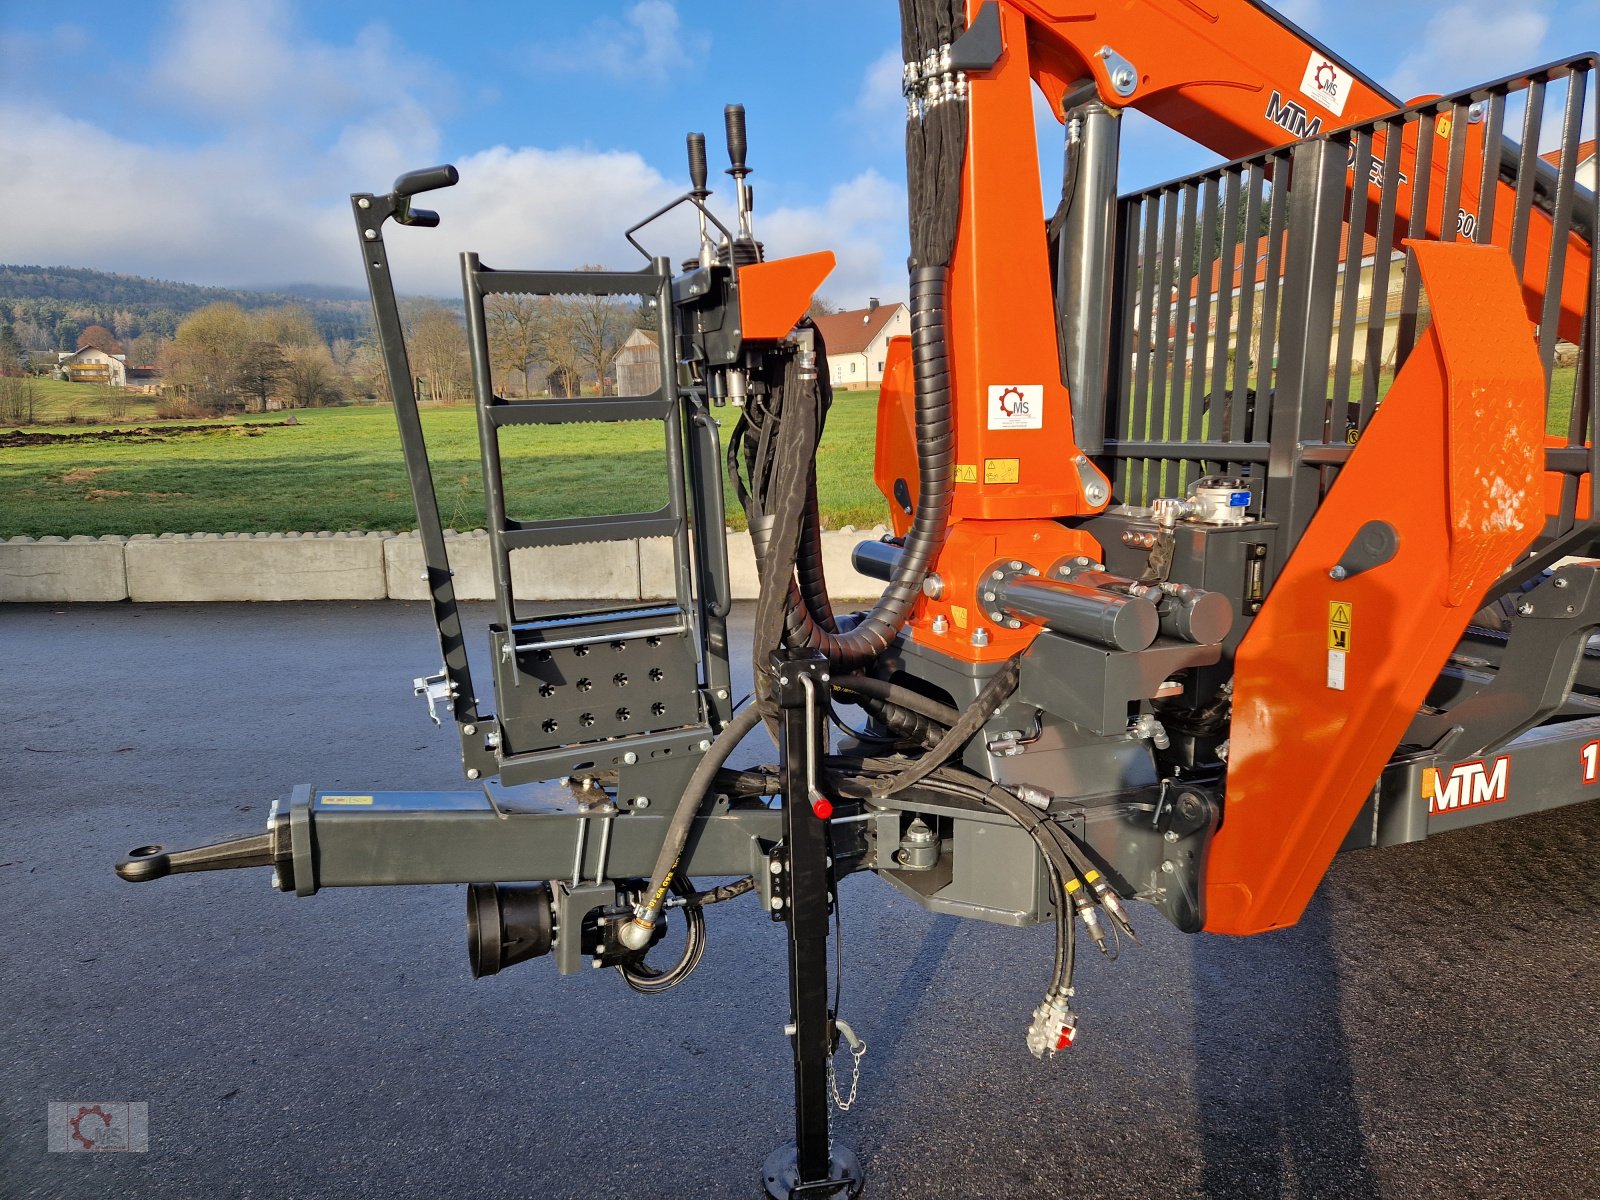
{"x": 1470, "y": 43}
{"x": 880, "y": 94}
{"x": 294, "y": 124}
{"x": 648, "y": 44}
{"x": 863, "y": 221}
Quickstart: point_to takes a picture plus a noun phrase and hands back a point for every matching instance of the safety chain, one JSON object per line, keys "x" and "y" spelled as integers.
{"x": 858, "y": 1051}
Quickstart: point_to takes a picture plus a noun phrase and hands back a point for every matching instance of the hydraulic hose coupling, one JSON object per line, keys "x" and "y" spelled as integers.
{"x": 1054, "y": 1027}
{"x": 636, "y": 934}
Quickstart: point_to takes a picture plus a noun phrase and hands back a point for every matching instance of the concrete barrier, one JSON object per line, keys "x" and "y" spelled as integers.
{"x": 54, "y": 569}
{"x": 594, "y": 571}
{"x": 368, "y": 566}
{"x": 262, "y": 566}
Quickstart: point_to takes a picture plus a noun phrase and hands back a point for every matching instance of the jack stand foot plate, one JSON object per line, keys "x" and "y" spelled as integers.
{"x": 781, "y": 1174}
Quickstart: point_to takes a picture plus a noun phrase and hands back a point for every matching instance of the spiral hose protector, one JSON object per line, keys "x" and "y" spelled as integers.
{"x": 935, "y": 454}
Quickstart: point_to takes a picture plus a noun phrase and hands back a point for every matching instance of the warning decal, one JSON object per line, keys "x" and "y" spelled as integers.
{"x": 1016, "y": 406}
{"x": 966, "y": 473}
{"x": 1002, "y": 470}
{"x": 1339, "y": 615}
{"x": 959, "y": 616}
{"x": 344, "y": 799}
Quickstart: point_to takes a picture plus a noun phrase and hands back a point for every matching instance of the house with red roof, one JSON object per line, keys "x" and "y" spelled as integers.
{"x": 1586, "y": 169}
{"x": 858, "y": 341}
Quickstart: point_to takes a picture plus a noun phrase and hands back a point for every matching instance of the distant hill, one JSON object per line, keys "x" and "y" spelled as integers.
{"x": 52, "y": 305}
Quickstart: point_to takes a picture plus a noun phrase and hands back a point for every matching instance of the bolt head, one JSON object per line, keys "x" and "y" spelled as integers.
{"x": 1170, "y": 836}
{"x": 776, "y": 866}
{"x": 777, "y": 903}
{"x": 1560, "y": 581}
{"x": 704, "y": 744}
{"x": 1094, "y": 493}
{"x": 1525, "y": 608}
{"x": 469, "y": 730}
{"x": 363, "y": 203}
{"x": 1338, "y": 573}
{"x": 630, "y": 758}
{"x": 371, "y": 235}
{"x": 1166, "y": 866}
{"x": 473, "y": 772}
{"x": 641, "y": 801}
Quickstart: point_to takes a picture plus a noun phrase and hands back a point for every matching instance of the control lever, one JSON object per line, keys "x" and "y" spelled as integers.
{"x": 698, "y": 189}
{"x": 427, "y": 179}
{"x": 157, "y": 862}
{"x": 733, "y": 119}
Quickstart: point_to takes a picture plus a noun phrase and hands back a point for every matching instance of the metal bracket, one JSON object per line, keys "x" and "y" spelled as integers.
{"x": 436, "y": 690}
{"x": 1122, "y": 74}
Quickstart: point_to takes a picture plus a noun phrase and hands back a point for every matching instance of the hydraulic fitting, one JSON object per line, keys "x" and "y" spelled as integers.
{"x": 1087, "y": 912}
{"x": 1053, "y": 1029}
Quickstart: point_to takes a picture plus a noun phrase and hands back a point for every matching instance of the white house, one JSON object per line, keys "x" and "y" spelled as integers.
{"x": 94, "y": 366}
{"x": 858, "y": 341}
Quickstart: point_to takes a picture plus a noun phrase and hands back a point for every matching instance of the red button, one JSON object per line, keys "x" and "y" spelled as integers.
{"x": 823, "y": 807}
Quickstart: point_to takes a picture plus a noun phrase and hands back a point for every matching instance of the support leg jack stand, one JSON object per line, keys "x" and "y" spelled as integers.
{"x": 811, "y": 1165}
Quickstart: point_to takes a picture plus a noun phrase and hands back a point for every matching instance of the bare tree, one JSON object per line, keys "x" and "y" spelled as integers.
{"x": 518, "y": 329}
{"x": 439, "y": 354}
{"x": 309, "y": 378}
{"x": 19, "y": 399}
{"x": 592, "y": 328}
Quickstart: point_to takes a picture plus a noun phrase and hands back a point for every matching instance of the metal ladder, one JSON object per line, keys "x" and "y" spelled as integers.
{"x": 593, "y": 689}
{"x": 598, "y": 687}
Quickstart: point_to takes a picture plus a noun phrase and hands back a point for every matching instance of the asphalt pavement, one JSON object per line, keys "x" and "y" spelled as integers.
{"x": 1430, "y": 1029}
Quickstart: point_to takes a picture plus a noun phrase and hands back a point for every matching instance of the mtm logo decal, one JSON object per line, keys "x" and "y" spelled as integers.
{"x": 1292, "y": 117}
{"x": 1466, "y": 785}
{"x": 1326, "y": 84}
{"x": 1016, "y": 406}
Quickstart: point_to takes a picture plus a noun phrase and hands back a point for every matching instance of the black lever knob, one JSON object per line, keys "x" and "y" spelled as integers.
{"x": 733, "y": 117}
{"x": 697, "y": 163}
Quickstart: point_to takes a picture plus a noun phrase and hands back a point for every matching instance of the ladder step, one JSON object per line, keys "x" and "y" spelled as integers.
{"x": 578, "y": 412}
{"x": 572, "y": 531}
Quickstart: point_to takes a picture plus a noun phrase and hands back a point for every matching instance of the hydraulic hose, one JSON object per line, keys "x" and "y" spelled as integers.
{"x": 935, "y": 452}
{"x": 636, "y": 933}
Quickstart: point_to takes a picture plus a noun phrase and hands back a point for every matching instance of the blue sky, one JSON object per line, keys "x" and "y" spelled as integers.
{"x": 216, "y": 141}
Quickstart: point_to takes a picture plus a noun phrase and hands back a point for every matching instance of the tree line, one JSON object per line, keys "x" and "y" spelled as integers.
{"x": 226, "y": 357}
{"x": 48, "y": 308}
{"x": 549, "y": 346}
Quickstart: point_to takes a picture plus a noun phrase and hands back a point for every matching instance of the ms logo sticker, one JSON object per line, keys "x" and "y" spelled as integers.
{"x": 1016, "y": 406}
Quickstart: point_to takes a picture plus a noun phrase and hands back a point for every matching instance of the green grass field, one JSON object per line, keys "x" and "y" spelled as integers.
{"x": 341, "y": 469}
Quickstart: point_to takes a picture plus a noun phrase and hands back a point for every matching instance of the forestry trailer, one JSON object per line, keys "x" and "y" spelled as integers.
{"x": 1236, "y": 521}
